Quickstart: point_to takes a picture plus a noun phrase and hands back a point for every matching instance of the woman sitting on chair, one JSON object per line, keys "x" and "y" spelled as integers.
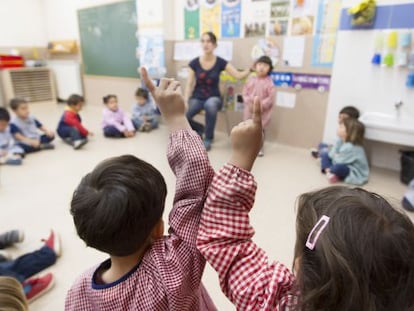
{"x": 205, "y": 94}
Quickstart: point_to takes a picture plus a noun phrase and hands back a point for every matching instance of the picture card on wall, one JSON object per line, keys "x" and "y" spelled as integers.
{"x": 293, "y": 51}
{"x": 285, "y": 99}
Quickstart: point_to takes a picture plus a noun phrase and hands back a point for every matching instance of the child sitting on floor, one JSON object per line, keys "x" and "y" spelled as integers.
{"x": 346, "y": 160}
{"x": 10, "y": 152}
{"x": 117, "y": 209}
{"x": 345, "y": 113}
{"x": 353, "y": 250}
{"x": 115, "y": 122}
{"x": 25, "y": 128}
{"x": 262, "y": 86}
{"x": 144, "y": 116}
{"x": 70, "y": 127}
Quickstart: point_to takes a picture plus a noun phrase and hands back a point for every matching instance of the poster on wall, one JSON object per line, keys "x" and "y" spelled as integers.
{"x": 303, "y": 16}
{"x": 323, "y": 50}
{"x": 210, "y": 16}
{"x": 230, "y": 18}
{"x": 279, "y": 17}
{"x": 255, "y": 17}
{"x": 191, "y": 19}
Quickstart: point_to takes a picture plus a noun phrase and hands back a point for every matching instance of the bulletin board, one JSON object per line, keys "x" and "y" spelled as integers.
{"x": 108, "y": 39}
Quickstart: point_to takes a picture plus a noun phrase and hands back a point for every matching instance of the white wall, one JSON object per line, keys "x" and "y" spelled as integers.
{"x": 22, "y": 23}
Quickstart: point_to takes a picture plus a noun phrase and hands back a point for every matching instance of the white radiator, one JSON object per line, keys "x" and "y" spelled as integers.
{"x": 33, "y": 84}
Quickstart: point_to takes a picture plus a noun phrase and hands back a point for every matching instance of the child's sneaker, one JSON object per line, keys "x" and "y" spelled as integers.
{"x": 68, "y": 141}
{"x": 332, "y": 178}
{"x": 47, "y": 146}
{"x": 77, "y": 144}
{"x": 11, "y": 237}
{"x": 314, "y": 153}
{"x": 53, "y": 242}
{"x": 38, "y": 286}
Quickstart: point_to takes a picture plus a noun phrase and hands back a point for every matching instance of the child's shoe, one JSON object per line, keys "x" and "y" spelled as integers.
{"x": 53, "y": 242}
{"x": 47, "y": 146}
{"x": 68, "y": 140}
{"x": 314, "y": 153}
{"x": 77, "y": 144}
{"x": 38, "y": 286}
{"x": 11, "y": 160}
{"x": 11, "y": 237}
{"x": 332, "y": 178}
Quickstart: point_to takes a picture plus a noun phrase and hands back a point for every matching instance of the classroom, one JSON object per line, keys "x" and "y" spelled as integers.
{"x": 334, "y": 81}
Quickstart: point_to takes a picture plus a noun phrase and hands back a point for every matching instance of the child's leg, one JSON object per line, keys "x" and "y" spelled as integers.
{"x": 326, "y": 161}
{"x": 340, "y": 170}
{"x": 27, "y": 148}
{"x": 137, "y": 122}
{"x": 323, "y": 147}
{"x": 194, "y": 107}
{"x": 44, "y": 139}
{"x": 29, "y": 264}
{"x": 154, "y": 122}
{"x": 112, "y": 131}
{"x": 75, "y": 135}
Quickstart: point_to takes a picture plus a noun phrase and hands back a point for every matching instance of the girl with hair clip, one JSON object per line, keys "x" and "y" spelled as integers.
{"x": 353, "y": 250}
{"x": 262, "y": 86}
{"x": 346, "y": 161}
{"x": 115, "y": 122}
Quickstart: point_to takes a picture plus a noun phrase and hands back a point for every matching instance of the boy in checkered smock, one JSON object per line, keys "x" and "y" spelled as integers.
{"x": 117, "y": 209}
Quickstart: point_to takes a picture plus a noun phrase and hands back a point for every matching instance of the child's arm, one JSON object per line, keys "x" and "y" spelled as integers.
{"x": 43, "y": 128}
{"x": 128, "y": 123}
{"x": 187, "y": 158}
{"x": 18, "y": 136}
{"x": 71, "y": 119}
{"x": 269, "y": 100}
{"x": 246, "y": 276}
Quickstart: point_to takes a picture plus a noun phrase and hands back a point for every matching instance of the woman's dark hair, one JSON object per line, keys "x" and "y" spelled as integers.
{"x": 75, "y": 99}
{"x": 355, "y": 131}
{"x": 140, "y": 92}
{"x": 16, "y": 102}
{"x": 211, "y": 36}
{"x": 116, "y": 206}
{"x": 364, "y": 258}
{"x": 4, "y": 114}
{"x": 266, "y": 60}
{"x": 350, "y": 111}
{"x": 108, "y": 97}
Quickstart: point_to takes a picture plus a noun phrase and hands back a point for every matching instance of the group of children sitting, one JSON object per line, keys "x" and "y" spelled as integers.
{"x": 24, "y": 133}
{"x": 353, "y": 250}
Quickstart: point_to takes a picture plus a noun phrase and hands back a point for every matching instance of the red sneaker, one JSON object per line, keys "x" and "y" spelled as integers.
{"x": 53, "y": 242}
{"x": 36, "y": 287}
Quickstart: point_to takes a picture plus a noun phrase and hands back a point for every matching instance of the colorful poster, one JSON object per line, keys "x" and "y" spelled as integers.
{"x": 230, "y": 18}
{"x": 191, "y": 19}
{"x": 255, "y": 17}
{"x": 323, "y": 50}
{"x": 310, "y": 81}
{"x": 210, "y": 13}
{"x": 279, "y": 17}
{"x": 303, "y": 14}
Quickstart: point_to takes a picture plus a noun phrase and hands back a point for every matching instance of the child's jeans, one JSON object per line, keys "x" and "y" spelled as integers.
{"x": 44, "y": 139}
{"x": 340, "y": 170}
{"x": 29, "y": 264}
{"x": 112, "y": 131}
{"x": 323, "y": 147}
{"x": 69, "y": 133}
{"x": 138, "y": 122}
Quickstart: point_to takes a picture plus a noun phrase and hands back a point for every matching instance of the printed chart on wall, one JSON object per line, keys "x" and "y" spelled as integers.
{"x": 192, "y": 19}
{"x": 279, "y": 17}
{"x": 323, "y": 50}
{"x": 230, "y": 18}
{"x": 303, "y": 16}
{"x": 151, "y": 40}
{"x": 255, "y": 17}
{"x": 210, "y": 15}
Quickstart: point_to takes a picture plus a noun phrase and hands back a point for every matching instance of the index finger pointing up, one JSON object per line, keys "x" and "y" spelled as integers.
{"x": 147, "y": 81}
{"x": 257, "y": 111}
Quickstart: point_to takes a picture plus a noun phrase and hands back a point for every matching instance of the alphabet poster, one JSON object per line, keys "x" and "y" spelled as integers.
{"x": 210, "y": 16}
{"x": 191, "y": 19}
{"x": 231, "y": 18}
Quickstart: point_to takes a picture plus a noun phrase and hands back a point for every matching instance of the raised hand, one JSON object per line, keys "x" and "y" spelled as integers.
{"x": 247, "y": 138}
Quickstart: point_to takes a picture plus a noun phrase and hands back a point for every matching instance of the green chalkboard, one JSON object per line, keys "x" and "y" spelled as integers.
{"x": 108, "y": 39}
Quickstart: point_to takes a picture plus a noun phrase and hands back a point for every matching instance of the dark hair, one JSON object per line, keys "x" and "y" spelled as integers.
{"x": 364, "y": 258}
{"x": 142, "y": 93}
{"x": 108, "y": 97}
{"x": 4, "y": 114}
{"x": 350, "y": 111}
{"x": 16, "y": 102}
{"x": 116, "y": 206}
{"x": 355, "y": 131}
{"x": 75, "y": 99}
{"x": 211, "y": 36}
{"x": 266, "y": 60}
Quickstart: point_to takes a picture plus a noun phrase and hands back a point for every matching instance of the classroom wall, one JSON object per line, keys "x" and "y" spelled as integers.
{"x": 355, "y": 81}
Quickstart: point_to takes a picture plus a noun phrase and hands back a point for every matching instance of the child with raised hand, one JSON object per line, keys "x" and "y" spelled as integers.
{"x": 25, "y": 128}
{"x": 346, "y": 161}
{"x": 144, "y": 116}
{"x": 353, "y": 250}
{"x": 117, "y": 209}
{"x": 70, "y": 127}
{"x": 115, "y": 122}
{"x": 262, "y": 86}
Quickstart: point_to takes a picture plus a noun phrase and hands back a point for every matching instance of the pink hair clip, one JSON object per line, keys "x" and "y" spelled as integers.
{"x": 316, "y": 232}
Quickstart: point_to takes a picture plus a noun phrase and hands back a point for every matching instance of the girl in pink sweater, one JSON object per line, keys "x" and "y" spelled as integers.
{"x": 262, "y": 86}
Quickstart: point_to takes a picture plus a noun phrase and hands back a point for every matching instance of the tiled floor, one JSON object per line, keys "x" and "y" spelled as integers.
{"x": 36, "y": 196}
